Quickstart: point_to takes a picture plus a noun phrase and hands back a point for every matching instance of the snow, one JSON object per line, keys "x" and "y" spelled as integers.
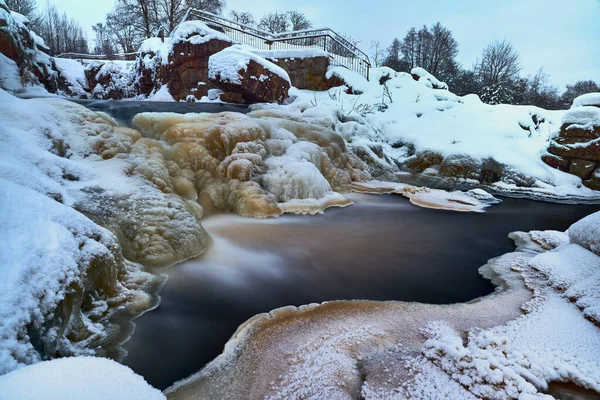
{"x": 76, "y": 378}
{"x": 419, "y": 118}
{"x": 197, "y": 32}
{"x": 586, "y": 233}
{"x": 227, "y": 63}
{"x": 428, "y": 79}
{"x": 291, "y": 53}
{"x": 589, "y": 99}
{"x": 475, "y": 200}
{"x": 583, "y": 117}
{"x": 74, "y": 73}
{"x": 9, "y": 74}
{"x": 162, "y": 95}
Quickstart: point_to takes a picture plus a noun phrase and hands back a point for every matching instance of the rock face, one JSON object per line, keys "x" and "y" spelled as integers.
{"x": 187, "y": 71}
{"x": 236, "y": 69}
{"x": 307, "y": 69}
{"x": 576, "y": 148}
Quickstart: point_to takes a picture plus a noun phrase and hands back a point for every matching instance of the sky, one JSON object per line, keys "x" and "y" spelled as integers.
{"x": 562, "y": 36}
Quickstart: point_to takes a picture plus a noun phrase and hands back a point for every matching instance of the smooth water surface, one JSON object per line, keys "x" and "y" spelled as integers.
{"x": 381, "y": 248}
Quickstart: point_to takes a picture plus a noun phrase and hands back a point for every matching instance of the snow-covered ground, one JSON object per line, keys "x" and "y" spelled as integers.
{"x": 76, "y": 378}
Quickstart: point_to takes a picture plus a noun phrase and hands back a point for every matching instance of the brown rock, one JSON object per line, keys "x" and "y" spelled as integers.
{"x": 232, "y": 97}
{"x": 557, "y": 162}
{"x": 567, "y": 132}
{"x": 461, "y": 166}
{"x": 581, "y": 148}
{"x": 423, "y": 160}
{"x": 187, "y": 71}
{"x": 582, "y": 168}
{"x": 90, "y": 73}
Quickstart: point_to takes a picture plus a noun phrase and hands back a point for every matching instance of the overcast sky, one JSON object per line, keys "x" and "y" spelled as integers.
{"x": 563, "y": 36}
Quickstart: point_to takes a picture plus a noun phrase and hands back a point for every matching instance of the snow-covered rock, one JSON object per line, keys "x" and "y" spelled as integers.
{"x": 238, "y": 69}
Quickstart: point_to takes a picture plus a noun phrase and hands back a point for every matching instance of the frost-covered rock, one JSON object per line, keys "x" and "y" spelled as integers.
{"x": 74, "y": 379}
{"x": 238, "y": 69}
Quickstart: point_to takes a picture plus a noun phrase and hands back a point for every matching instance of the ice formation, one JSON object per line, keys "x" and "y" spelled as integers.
{"x": 88, "y": 207}
{"x": 510, "y": 344}
{"x": 474, "y": 200}
{"x": 261, "y": 164}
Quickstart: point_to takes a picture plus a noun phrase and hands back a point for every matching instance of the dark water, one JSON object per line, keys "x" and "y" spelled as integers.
{"x": 381, "y": 248}
{"x": 124, "y": 110}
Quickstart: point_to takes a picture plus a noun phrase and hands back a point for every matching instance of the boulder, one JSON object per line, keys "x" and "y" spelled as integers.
{"x": 557, "y": 162}
{"x": 238, "y": 69}
{"x": 180, "y": 62}
{"x": 461, "y": 166}
{"x": 582, "y": 168}
{"x": 423, "y": 160}
{"x": 232, "y": 97}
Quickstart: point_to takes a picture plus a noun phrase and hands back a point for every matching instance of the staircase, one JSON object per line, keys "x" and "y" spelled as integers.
{"x": 341, "y": 51}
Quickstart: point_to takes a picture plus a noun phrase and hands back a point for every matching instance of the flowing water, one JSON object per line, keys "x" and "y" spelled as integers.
{"x": 381, "y": 248}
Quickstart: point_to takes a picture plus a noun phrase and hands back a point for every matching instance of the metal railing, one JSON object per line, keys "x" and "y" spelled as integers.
{"x": 80, "y": 56}
{"x": 341, "y": 51}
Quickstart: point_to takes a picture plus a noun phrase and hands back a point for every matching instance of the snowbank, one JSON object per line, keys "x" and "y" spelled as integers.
{"x": 589, "y": 99}
{"x": 406, "y": 125}
{"x": 76, "y": 378}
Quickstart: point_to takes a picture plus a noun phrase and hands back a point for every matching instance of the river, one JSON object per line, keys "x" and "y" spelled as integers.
{"x": 381, "y": 248}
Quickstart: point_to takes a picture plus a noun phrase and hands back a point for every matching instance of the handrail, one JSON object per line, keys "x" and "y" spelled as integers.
{"x": 77, "y": 56}
{"x": 341, "y": 50}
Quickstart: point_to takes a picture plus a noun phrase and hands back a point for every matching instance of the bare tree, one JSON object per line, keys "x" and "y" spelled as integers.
{"x": 127, "y": 37}
{"x": 25, "y": 7}
{"x": 274, "y": 22}
{"x": 103, "y": 42}
{"x": 393, "y": 58}
{"x": 298, "y": 20}
{"x": 499, "y": 64}
{"x": 244, "y": 18}
{"x": 376, "y": 53}
{"x": 60, "y": 33}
